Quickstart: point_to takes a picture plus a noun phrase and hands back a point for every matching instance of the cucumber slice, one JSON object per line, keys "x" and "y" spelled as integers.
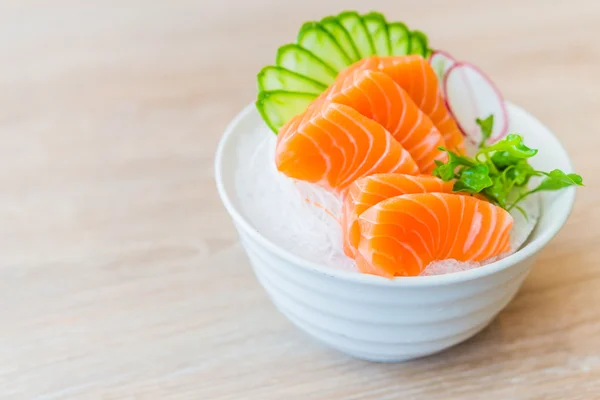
{"x": 314, "y": 38}
{"x": 303, "y": 62}
{"x": 342, "y": 37}
{"x": 353, "y": 23}
{"x": 419, "y": 43}
{"x": 277, "y": 78}
{"x": 428, "y": 53}
{"x": 278, "y": 106}
{"x": 399, "y": 39}
{"x": 377, "y": 27}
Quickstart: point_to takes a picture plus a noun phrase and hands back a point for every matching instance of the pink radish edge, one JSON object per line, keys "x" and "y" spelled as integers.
{"x": 458, "y": 64}
{"x": 446, "y": 60}
{"x": 442, "y": 53}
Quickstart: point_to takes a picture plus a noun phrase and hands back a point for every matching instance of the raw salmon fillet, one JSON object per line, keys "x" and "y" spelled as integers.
{"x": 400, "y": 236}
{"x": 332, "y": 145}
{"x": 366, "y": 192}
{"x": 414, "y": 74}
{"x": 375, "y": 95}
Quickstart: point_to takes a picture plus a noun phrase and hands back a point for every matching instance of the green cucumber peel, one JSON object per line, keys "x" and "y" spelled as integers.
{"x": 305, "y": 69}
{"x": 301, "y": 61}
{"x": 419, "y": 44}
{"x": 278, "y": 107}
{"x": 378, "y": 30}
{"x": 273, "y": 78}
{"x": 341, "y": 35}
{"x": 322, "y": 44}
{"x": 399, "y": 37}
{"x": 359, "y": 34}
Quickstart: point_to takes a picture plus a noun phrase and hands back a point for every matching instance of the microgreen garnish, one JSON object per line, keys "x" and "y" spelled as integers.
{"x": 513, "y": 145}
{"x": 473, "y": 179}
{"x": 500, "y": 171}
{"x": 486, "y": 126}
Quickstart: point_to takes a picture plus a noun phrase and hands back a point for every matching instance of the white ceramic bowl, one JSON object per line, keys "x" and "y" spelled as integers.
{"x": 377, "y": 319}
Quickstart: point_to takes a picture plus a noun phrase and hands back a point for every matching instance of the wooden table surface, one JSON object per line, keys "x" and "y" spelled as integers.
{"x": 120, "y": 272}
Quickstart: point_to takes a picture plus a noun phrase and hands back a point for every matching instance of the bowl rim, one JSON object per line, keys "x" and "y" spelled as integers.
{"x": 524, "y": 253}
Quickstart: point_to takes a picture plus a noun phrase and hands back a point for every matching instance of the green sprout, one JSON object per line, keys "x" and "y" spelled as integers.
{"x": 500, "y": 171}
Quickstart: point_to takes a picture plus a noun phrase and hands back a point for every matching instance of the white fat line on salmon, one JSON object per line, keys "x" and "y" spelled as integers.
{"x": 352, "y": 139}
{"x": 429, "y": 142}
{"x": 370, "y": 238}
{"x": 389, "y": 185}
{"x": 371, "y": 253}
{"x": 403, "y": 156}
{"x": 387, "y": 211}
{"x": 383, "y": 92}
{"x": 366, "y": 95}
{"x": 403, "y": 104}
{"x": 508, "y": 220}
{"x": 474, "y": 231}
{"x": 318, "y": 150}
{"x": 370, "y": 149}
{"x": 333, "y": 140}
{"x": 414, "y": 127}
{"x": 462, "y": 218}
{"x": 424, "y": 75}
{"x": 416, "y": 182}
{"x": 490, "y": 231}
{"x": 445, "y": 206}
{"x": 343, "y": 172}
{"x": 434, "y": 215}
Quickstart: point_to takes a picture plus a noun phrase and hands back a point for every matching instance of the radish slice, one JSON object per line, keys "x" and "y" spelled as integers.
{"x": 470, "y": 94}
{"x": 441, "y": 62}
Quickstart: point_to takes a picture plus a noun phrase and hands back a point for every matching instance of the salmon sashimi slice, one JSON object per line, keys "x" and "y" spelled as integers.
{"x": 332, "y": 145}
{"x": 375, "y": 95}
{"x": 366, "y": 192}
{"x": 400, "y": 236}
{"x": 414, "y": 74}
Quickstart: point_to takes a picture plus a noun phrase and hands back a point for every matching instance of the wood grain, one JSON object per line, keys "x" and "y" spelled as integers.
{"x": 120, "y": 272}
